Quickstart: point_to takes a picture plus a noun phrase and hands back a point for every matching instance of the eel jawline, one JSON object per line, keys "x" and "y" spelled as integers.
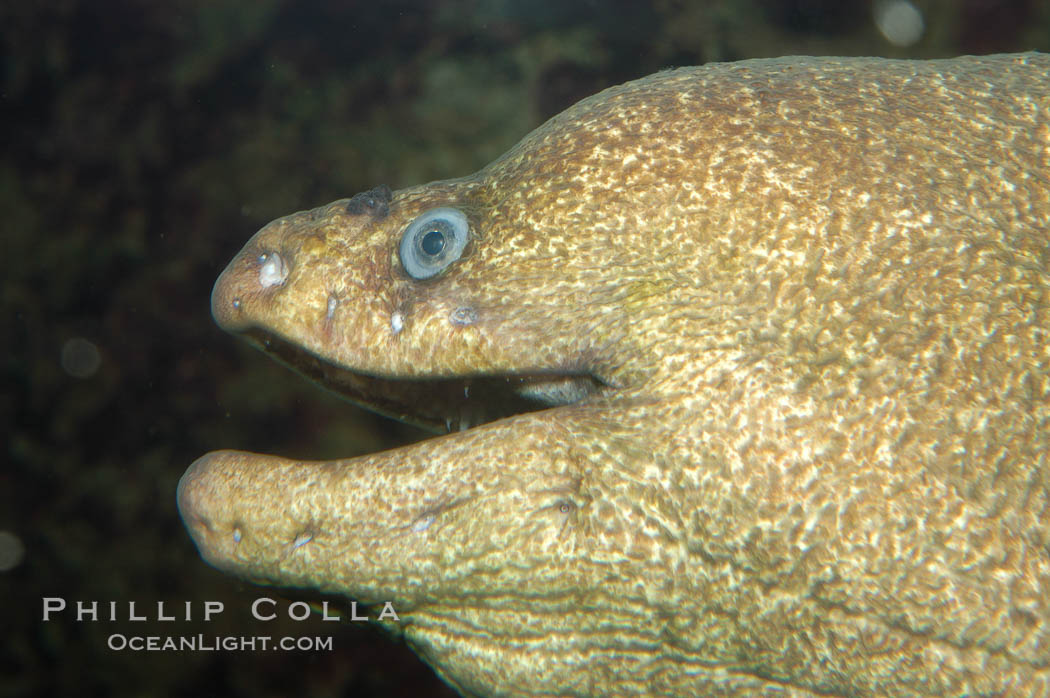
{"x": 441, "y": 404}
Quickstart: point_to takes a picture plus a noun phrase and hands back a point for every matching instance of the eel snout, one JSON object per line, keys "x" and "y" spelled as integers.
{"x": 290, "y": 293}
{"x": 262, "y": 517}
{"x": 217, "y": 522}
{"x": 391, "y": 523}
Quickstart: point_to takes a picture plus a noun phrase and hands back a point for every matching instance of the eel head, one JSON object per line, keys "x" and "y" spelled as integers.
{"x": 746, "y": 373}
{"x": 522, "y": 520}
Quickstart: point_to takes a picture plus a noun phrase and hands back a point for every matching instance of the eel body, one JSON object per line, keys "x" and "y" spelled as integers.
{"x": 754, "y": 359}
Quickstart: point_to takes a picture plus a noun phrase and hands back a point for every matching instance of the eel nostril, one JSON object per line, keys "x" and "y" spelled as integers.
{"x": 273, "y": 271}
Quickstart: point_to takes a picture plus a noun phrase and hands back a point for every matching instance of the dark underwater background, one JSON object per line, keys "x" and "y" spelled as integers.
{"x": 143, "y": 143}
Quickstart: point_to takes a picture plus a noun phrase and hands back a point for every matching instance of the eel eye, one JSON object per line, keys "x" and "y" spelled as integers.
{"x": 433, "y": 241}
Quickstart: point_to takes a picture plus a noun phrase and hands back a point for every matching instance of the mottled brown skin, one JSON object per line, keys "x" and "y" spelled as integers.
{"x": 804, "y": 304}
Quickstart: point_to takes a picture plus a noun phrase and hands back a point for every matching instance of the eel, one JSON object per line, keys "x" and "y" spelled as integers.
{"x": 745, "y": 374}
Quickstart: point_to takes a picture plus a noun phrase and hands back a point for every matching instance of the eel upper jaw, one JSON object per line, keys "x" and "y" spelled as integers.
{"x": 440, "y": 404}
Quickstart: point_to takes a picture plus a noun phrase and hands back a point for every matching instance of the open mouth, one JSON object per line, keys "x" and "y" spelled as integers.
{"x": 437, "y": 404}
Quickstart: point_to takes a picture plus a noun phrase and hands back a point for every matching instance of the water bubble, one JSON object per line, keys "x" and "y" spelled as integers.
{"x": 899, "y": 21}
{"x": 11, "y": 551}
{"x": 80, "y": 358}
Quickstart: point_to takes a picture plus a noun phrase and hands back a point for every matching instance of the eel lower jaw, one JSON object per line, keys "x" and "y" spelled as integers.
{"x": 442, "y": 404}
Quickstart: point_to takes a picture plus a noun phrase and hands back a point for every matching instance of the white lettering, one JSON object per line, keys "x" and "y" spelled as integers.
{"x": 202, "y": 643}
{"x": 303, "y": 615}
{"x": 255, "y": 608}
{"x": 53, "y": 604}
{"x": 388, "y": 612}
{"x": 89, "y": 610}
{"x": 324, "y": 612}
{"x": 212, "y": 608}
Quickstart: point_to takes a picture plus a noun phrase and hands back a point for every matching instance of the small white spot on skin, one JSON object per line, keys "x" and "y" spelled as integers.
{"x": 236, "y": 535}
{"x": 463, "y": 316}
{"x": 397, "y": 322}
{"x": 333, "y": 303}
{"x": 301, "y": 540}
{"x": 422, "y": 523}
{"x": 272, "y": 270}
{"x": 461, "y": 424}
